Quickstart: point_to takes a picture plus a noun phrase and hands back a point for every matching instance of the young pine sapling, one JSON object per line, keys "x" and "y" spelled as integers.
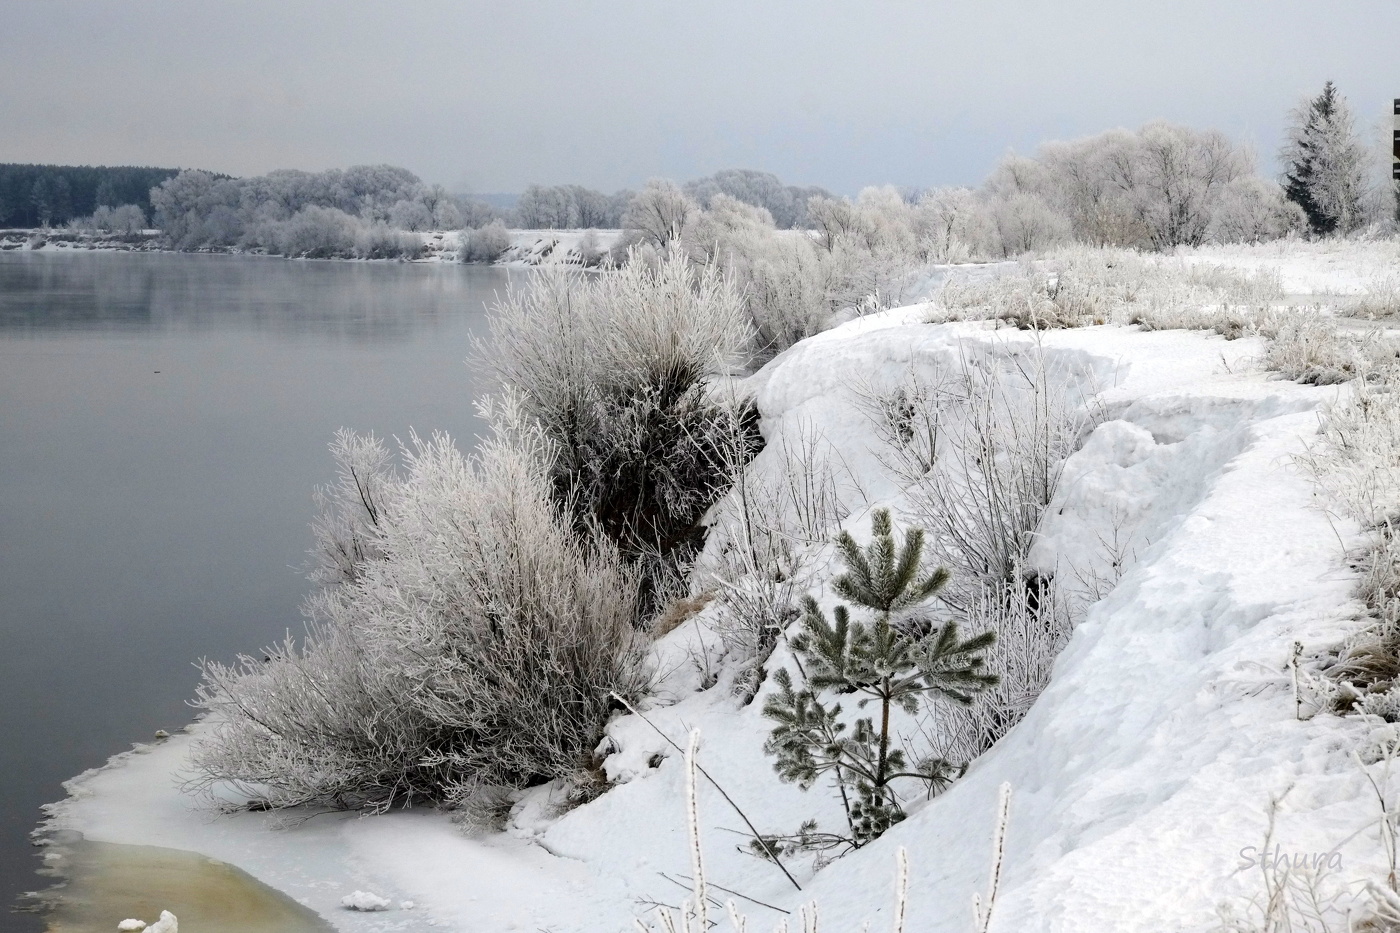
{"x": 891, "y": 661}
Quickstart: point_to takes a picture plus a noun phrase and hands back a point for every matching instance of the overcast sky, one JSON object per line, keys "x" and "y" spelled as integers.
{"x": 490, "y": 96}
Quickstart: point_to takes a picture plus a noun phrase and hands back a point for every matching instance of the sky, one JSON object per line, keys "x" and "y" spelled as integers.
{"x": 492, "y": 96}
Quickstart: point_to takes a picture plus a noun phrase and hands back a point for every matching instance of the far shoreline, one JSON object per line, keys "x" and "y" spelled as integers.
{"x": 529, "y": 247}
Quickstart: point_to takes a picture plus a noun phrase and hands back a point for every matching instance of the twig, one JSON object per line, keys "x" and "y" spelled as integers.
{"x": 718, "y": 887}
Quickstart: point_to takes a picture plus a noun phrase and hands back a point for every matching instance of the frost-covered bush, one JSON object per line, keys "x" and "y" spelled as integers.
{"x": 870, "y": 247}
{"x": 313, "y": 233}
{"x": 1357, "y": 463}
{"x": 1254, "y": 210}
{"x": 622, "y": 373}
{"x": 485, "y": 244}
{"x": 381, "y": 241}
{"x": 780, "y": 274}
{"x": 760, "y": 541}
{"x": 1159, "y": 187}
{"x": 979, "y": 451}
{"x": 125, "y": 220}
{"x": 1381, "y": 299}
{"x": 955, "y": 225}
{"x": 466, "y": 638}
{"x": 1078, "y": 287}
{"x": 590, "y": 250}
{"x": 786, "y": 204}
{"x": 1309, "y": 348}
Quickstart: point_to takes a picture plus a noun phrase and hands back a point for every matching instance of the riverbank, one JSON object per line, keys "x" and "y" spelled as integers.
{"x": 527, "y": 247}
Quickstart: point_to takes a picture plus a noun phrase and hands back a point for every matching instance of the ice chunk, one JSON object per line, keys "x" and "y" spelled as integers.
{"x": 364, "y": 900}
{"x": 166, "y": 924}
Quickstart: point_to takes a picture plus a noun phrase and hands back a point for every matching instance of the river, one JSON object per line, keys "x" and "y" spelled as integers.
{"x": 163, "y": 421}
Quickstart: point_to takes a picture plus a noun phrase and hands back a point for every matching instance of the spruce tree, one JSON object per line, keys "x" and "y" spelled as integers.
{"x": 1325, "y": 164}
{"x": 888, "y": 661}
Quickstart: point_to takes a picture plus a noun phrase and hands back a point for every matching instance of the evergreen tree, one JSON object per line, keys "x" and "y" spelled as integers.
{"x": 1325, "y": 164}
{"x": 888, "y": 661}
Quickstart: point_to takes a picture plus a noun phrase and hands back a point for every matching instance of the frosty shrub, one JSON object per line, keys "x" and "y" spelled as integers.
{"x": 955, "y": 225}
{"x": 1155, "y": 188}
{"x": 780, "y": 274}
{"x": 1357, "y": 463}
{"x": 124, "y": 220}
{"x": 979, "y": 450}
{"x": 1033, "y": 621}
{"x": 870, "y": 247}
{"x": 380, "y": 241}
{"x": 485, "y": 244}
{"x": 472, "y": 642}
{"x": 893, "y": 661}
{"x": 1381, "y": 299}
{"x": 1078, "y": 287}
{"x": 622, "y": 374}
{"x": 347, "y": 529}
{"x": 1308, "y": 348}
{"x": 759, "y": 543}
{"x": 1252, "y": 210}
{"x": 313, "y": 233}
{"x": 590, "y": 250}
{"x": 197, "y": 210}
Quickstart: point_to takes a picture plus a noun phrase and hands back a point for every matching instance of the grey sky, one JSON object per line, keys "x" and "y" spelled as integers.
{"x": 492, "y": 96}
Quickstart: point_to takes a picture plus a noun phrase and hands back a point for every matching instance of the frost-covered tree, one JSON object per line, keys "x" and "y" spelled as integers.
{"x": 1325, "y": 162}
{"x": 1025, "y": 223}
{"x": 411, "y": 215}
{"x": 893, "y": 661}
{"x": 787, "y": 204}
{"x": 1253, "y": 210}
{"x": 660, "y": 213}
{"x": 196, "y": 209}
{"x": 954, "y": 225}
{"x": 474, "y": 214}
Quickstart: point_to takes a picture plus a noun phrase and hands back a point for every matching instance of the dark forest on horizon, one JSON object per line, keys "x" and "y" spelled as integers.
{"x": 48, "y": 195}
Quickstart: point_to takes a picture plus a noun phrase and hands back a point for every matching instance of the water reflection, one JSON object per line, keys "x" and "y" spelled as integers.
{"x": 48, "y": 292}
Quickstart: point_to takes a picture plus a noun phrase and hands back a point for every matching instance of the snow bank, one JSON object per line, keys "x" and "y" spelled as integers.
{"x": 1139, "y": 776}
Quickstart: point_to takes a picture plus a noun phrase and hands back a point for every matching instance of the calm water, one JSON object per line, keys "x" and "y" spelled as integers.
{"x": 163, "y": 419}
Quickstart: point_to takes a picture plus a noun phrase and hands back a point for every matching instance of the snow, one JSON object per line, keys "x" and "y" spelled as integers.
{"x": 1138, "y": 777}
{"x": 1321, "y": 268}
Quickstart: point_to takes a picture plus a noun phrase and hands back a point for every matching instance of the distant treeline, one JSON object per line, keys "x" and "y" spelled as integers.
{"x": 550, "y": 207}
{"x": 48, "y": 195}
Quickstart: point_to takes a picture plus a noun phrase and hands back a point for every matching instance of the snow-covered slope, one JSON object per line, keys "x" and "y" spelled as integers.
{"x": 1139, "y": 776}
